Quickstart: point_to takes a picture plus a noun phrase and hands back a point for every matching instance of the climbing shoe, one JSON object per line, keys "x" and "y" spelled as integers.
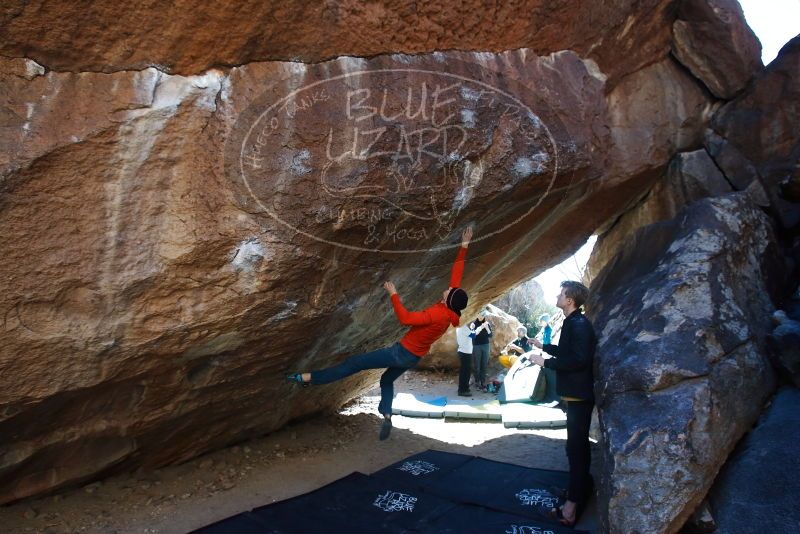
{"x": 386, "y": 429}
{"x": 297, "y": 378}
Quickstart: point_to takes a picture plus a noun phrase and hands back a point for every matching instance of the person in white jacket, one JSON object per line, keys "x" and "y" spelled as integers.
{"x": 465, "y": 356}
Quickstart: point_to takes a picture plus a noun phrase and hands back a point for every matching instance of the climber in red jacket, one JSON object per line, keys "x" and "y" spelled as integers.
{"x": 427, "y": 326}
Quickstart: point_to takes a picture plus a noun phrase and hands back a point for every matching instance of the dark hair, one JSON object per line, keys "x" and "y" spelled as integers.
{"x": 575, "y": 291}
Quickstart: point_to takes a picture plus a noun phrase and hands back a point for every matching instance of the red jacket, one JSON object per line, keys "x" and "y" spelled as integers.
{"x": 431, "y": 323}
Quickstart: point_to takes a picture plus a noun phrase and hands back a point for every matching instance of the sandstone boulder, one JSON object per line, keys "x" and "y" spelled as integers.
{"x": 681, "y": 370}
{"x": 690, "y": 176}
{"x": 443, "y": 352}
{"x": 755, "y": 139}
{"x": 153, "y": 297}
{"x": 523, "y": 300}
{"x": 655, "y": 113}
{"x": 712, "y": 39}
{"x": 151, "y": 304}
{"x": 192, "y": 37}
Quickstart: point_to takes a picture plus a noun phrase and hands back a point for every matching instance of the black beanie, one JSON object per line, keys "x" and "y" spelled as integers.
{"x": 457, "y": 300}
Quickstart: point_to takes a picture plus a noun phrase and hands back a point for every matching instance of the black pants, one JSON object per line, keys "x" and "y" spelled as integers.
{"x": 480, "y": 362}
{"x": 464, "y": 371}
{"x": 396, "y": 358}
{"x": 579, "y": 454}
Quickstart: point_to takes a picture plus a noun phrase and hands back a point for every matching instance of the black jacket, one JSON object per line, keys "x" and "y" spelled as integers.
{"x": 485, "y": 334}
{"x": 574, "y": 358}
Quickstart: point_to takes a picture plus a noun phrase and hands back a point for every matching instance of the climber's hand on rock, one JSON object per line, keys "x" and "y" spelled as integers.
{"x": 466, "y": 237}
{"x": 389, "y": 287}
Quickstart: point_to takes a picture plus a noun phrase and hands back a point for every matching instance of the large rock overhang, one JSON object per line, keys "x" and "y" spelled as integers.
{"x": 155, "y": 289}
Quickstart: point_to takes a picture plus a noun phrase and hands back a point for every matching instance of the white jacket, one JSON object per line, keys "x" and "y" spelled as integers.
{"x": 463, "y": 339}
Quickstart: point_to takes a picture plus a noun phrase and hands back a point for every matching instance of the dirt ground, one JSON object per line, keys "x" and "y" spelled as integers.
{"x": 297, "y": 459}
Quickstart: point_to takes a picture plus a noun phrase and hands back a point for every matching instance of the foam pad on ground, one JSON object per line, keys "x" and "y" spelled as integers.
{"x": 433, "y": 492}
{"x": 519, "y": 415}
{"x": 239, "y": 524}
{"x": 423, "y": 468}
{"x": 412, "y": 406}
{"x": 474, "y": 409}
{"x": 469, "y": 519}
{"x": 504, "y": 487}
{"x": 356, "y": 503}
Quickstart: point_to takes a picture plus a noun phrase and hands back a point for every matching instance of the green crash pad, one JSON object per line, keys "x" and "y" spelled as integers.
{"x": 410, "y": 405}
{"x": 473, "y": 409}
{"x": 520, "y": 415}
{"x": 512, "y": 415}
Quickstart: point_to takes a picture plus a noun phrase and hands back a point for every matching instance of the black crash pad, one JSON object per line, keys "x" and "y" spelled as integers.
{"x": 430, "y": 492}
{"x": 469, "y": 519}
{"x": 420, "y": 470}
{"x": 504, "y": 487}
{"x": 356, "y": 503}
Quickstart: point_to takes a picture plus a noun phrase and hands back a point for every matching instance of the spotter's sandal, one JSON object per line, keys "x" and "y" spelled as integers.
{"x": 558, "y": 514}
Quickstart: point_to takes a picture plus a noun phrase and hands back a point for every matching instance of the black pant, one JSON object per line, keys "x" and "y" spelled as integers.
{"x": 396, "y": 358}
{"x": 480, "y": 360}
{"x": 464, "y": 371}
{"x": 579, "y": 454}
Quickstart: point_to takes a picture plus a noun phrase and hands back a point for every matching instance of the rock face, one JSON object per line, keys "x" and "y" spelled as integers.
{"x": 654, "y": 113}
{"x": 681, "y": 371}
{"x": 713, "y": 41}
{"x": 751, "y": 494}
{"x": 784, "y": 345}
{"x": 189, "y": 212}
{"x": 690, "y": 176}
{"x": 755, "y": 139}
{"x": 753, "y": 143}
{"x": 443, "y": 352}
{"x": 147, "y": 284}
{"x": 195, "y": 36}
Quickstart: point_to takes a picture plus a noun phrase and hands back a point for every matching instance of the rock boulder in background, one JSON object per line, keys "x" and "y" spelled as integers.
{"x": 523, "y": 300}
{"x": 784, "y": 345}
{"x": 443, "y": 352}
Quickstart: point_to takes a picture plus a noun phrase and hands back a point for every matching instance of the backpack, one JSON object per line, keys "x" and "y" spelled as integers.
{"x": 524, "y": 382}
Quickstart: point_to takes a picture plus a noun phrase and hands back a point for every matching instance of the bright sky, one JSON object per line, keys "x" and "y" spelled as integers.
{"x": 774, "y": 22}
